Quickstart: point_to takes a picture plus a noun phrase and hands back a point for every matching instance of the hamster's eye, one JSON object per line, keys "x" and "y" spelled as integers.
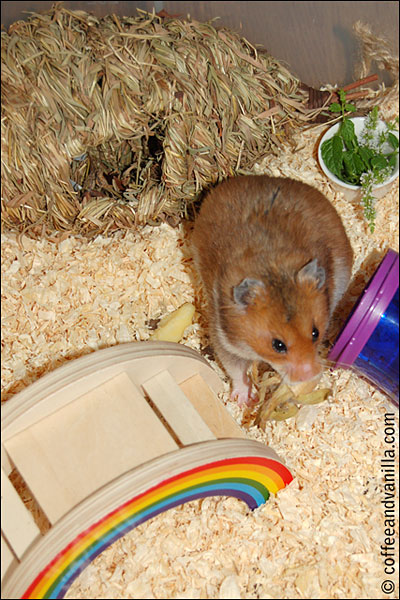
{"x": 315, "y": 334}
{"x": 279, "y": 346}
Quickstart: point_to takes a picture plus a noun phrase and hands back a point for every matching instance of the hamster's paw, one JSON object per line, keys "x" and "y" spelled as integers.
{"x": 243, "y": 397}
{"x": 241, "y": 384}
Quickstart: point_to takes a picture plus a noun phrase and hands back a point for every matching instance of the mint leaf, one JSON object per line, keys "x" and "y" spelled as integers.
{"x": 378, "y": 162}
{"x": 366, "y": 154}
{"x": 348, "y": 134}
{"x": 359, "y": 166}
{"x": 332, "y": 154}
{"x": 393, "y": 141}
{"x": 349, "y": 107}
{"x": 350, "y": 167}
{"x": 335, "y": 107}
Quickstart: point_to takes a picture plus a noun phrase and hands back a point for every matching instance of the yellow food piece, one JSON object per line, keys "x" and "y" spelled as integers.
{"x": 314, "y": 397}
{"x": 283, "y": 400}
{"x": 283, "y": 412}
{"x": 172, "y": 327}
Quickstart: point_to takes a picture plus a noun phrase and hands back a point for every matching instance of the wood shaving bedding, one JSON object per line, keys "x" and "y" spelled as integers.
{"x": 321, "y": 536}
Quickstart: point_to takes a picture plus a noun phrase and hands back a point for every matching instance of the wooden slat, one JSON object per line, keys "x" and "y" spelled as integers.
{"x": 210, "y": 408}
{"x": 176, "y": 409}
{"x": 17, "y": 524}
{"x": 140, "y": 360}
{"x": 73, "y": 452}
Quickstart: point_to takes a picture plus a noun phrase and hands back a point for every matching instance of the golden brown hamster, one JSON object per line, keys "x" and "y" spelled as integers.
{"x": 275, "y": 260}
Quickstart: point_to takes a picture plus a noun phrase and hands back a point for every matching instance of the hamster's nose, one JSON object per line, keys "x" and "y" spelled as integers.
{"x": 304, "y": 371}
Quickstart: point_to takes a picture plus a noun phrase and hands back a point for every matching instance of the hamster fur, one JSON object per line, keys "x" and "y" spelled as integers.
{"x": 275, "y": 260}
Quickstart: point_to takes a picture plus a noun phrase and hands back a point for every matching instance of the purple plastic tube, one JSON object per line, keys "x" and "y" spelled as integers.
{"x": 369, "y": 340}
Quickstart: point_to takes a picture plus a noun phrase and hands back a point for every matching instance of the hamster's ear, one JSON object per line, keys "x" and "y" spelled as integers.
{"x": 313, "y": 271}
{"x": 246, "y": 291}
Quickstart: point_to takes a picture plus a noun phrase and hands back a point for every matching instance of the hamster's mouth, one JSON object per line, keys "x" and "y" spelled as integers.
{"x": 292, "y": 380}
{"x": 306, "y": 372}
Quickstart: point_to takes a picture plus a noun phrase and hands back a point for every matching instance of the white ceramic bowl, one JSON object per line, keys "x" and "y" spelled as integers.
{"x": 353, "y": 192}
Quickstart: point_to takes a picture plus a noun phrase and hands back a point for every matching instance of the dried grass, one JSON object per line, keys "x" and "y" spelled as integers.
{"x": 141, "y": 114}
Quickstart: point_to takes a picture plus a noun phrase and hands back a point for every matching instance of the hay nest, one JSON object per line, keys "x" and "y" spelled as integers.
{"x": 110, "y": 123}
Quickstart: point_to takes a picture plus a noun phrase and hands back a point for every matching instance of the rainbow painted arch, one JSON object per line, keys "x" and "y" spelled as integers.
{"x": 249, "y": 478}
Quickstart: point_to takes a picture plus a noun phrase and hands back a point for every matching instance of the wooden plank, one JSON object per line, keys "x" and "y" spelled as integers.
{"x": 17, "y": 524}
{"x": 177, "y": 410}
{"x": 75, "y": 451}
{"x": 140, "y": 360}
{"x": 210, "y": 408}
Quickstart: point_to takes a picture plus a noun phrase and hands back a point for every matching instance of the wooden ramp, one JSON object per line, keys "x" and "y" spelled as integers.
{"x": 108, "y": 441}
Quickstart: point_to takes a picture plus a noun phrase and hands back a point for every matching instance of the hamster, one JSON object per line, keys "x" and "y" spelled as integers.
{"x": 274, "y": 259}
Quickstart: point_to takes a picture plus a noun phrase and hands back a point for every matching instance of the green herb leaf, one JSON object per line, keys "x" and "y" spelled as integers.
{"x": 378, "y": 162}
{"x": 348, "y": 134}
{"x": 332, "y": 154}
{"x": 335, "y": 107}
{"x": 366, "y": 154}
{"x": 359, "y": 165}
{"x": 350, "y": 167}
{"x": 349, "y": 107}
{"x": 393, "y": 141}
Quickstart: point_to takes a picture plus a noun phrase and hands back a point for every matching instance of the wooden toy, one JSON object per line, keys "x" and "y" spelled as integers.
{"x": 110, "y": 440}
